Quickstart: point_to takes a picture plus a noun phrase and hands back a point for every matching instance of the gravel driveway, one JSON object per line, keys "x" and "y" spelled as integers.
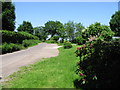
{"x": 12, "y": 61}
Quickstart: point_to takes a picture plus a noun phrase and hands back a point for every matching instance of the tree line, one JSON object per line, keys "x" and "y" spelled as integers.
{"x": 68, "y": 31}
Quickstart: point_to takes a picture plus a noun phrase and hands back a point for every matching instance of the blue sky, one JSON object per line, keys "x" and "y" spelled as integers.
{"x": 38, "y": 13}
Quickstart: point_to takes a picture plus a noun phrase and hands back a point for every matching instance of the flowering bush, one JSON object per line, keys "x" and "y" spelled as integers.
{"x": 99, "y": 64}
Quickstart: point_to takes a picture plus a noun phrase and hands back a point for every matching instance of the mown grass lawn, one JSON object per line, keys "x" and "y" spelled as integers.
{"x": 55, "y": 72}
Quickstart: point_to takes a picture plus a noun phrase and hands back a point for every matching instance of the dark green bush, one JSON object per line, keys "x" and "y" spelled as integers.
{"x": 56, "y": 38}
{"x": 67, "y": 45}
{"x": 11, "y": 47}
{"x": 80, "y": 40}
{"x": 16, "y": 37}
{"x": 50, "y": 41}
{"x": 8, "y": 48}
{"x": 27, "y": 43}
{"x": 99, "y": 65}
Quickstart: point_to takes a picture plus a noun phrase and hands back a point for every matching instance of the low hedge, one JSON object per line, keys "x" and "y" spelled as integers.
{"x": 16, "y": 37}
{"x": 11, "y": 47}
{"x": 50, "y": 41}
{"x": 27, "y": 43}
{"x": 67, "y": 45}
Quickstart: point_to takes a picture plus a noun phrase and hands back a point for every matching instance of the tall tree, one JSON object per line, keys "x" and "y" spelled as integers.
{"x": 97, "y": 31}
{"x": 79, "y": 27}
{"x": 26, "y": 27}
{"x": 70, "y": 30}
{"x": 40, "y": 32}
{"x": 53, "y": 27}
{"x": 115, "y": 23}
{"x": 8, "y": 16}
{"x": 62, "y": 34}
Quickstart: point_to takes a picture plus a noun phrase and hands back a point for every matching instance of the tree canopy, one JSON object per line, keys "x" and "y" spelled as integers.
{"x": 40, "y": 32}
{"x": 115, "y": 23}
{"x": 26, "y": 27}
{"x": 53, "y": 27}
{"x": 70, "y": 30}
{"x": 79, "y": 27}
{"x": 8, "y": 16}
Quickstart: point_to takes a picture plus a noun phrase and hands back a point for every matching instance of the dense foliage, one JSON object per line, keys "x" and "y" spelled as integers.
{"x": 79, "y": 40}
{"x": 55, "y": 38}
{"x": 8, "y": 16}
{"x": 27, "y": 43}
{"x": 40, "y": 32}
{"x": 8, "y": 48}
{"x": 99, "y": 64}
{"x": 16, "y": 37}
{"x": 11, "y": 47}
{"x": 70, "y": 30}
{"x": 53, "y": 27}
{"x": 97, "y": 30}
{"x": 115, "y": 23}
{"x": 67, "y": 45}
{"x": 50, "y": 41}
{"x": 26, "y": 27}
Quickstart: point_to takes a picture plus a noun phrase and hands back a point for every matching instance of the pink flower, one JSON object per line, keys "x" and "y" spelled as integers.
{"x": 91, "y": 45}
{"x": 83, "y": 79}
{"x": 79, "y": 48}
{"x": 81, "y": 74}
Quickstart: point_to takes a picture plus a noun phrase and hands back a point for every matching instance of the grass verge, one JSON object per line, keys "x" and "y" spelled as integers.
{"x": 55, "y": 72}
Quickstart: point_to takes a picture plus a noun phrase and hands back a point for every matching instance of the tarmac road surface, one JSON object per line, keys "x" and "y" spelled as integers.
{"x": 12, "y": 61}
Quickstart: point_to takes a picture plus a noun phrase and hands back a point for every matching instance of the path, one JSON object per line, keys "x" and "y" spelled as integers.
{"x": 12, "y": 61}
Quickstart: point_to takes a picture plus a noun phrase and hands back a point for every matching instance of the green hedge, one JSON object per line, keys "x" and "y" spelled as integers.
{"x": 67, "y": 45}
{"x": 8, "y": 48}
{"x": 11, "y": 47}
{"x": 16, "y": 37}
{"x": 27, "y": 43}
{"x": 50, "y": 41}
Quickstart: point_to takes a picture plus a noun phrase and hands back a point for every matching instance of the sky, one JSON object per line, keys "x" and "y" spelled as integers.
{"x": 38, "y": 13}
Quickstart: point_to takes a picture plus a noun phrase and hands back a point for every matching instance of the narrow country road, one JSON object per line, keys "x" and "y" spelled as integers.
{"x": 12, "y": 61}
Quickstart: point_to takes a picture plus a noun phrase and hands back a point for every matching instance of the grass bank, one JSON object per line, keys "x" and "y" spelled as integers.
{"x": 55, "y": 72}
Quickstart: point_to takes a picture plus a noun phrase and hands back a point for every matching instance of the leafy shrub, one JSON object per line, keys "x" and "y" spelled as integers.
{"x": 16, "y": 37}
{"x": 115, "y": 23}
{"x": 80, "y": 40}
{"x": 67, "y": 45}
{"x": 99, "y": 64}
{"x": 51, "y": 41}
{"x": 27, "y": 43}
{"x": 56, "y": 38}
{"x": 8, "y": 48}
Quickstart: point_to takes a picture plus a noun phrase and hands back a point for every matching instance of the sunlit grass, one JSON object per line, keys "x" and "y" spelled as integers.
{"x": 55, "y": 72}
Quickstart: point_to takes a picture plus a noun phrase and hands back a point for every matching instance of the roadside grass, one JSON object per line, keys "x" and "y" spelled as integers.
{"x": 0, "y": 86}
{"x": 55, "y": 72}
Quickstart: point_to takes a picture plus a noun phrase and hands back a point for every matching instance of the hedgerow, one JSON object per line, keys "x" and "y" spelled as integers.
{"x": 27, "y": 43}
{"x": 11, "y": 47}
{"x": 16, "y": 37}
